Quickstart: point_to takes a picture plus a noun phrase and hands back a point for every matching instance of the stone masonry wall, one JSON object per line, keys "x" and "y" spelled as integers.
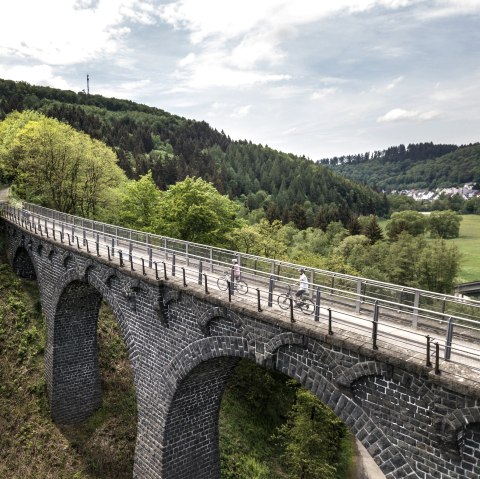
{"x": 183, "y": 344}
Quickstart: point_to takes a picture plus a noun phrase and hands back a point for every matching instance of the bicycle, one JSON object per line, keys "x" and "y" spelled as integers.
{"x": 306, "y": 305}
{"x": 238, "y": 285}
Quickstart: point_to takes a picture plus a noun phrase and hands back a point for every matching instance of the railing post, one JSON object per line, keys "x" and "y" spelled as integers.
{"x": 258, "y": 300}
{"x": 317, "y": 305}
{"x": 229, "y": 287}
{"x": 375, "y": 325}
{"x": 437, "y": 358}
{"x": 150, "y": 257}
{"x": 429, "y": 362}
{"x": 206, "y": 286}
{"x": 143, "y": 267}
{"x": 270, "y": 292}
{"x": 184, "y": 279}
{"x": 120, "y": 255}
{"x": 165, "y": 270}
{"x": 200, "y": 271}
{"x": 292, "y": 319}
{"x": 156, "y": 271}
{"x": 113, "y": 246}
{"x": 415, "y": 309}
{"x": 330, "y": 331}
{"x": 448, "y": 342}
{"x": 173, "y": 264}
{"x": 359, "y": 295}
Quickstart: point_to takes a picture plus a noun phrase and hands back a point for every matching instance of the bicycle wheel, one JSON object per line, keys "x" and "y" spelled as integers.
{"x": 284, "y": 301}
{"x": 222, "y": 284}
{"x": 241, "y": 287}
{"x": 307, "y": 306}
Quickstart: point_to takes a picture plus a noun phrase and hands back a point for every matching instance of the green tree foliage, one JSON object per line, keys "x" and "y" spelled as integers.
{"x": 310, "y": 439}
{"x": 412, "y": 222}
{"x": 193, "y": 210}
{"x": 438, "y": 267}
{"x": 444, "y": 224}
{"x": 372, "y": 230}
{"x": 52, "y": 164}
{"x": 139, "y": 204}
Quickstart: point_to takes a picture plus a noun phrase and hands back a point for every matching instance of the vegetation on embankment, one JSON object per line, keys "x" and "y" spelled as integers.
{"x": 467, "y": 243}
{"x": 31, "y": 445}
{"x": 255, "y": 404}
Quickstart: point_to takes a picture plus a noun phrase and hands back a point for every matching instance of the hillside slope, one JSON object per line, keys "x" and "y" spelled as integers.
{"x": 173, "y": 147}
{"x": 422, "y": 166}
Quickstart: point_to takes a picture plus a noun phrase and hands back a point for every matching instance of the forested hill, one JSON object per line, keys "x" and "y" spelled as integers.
{"x": 287, "y": 187}
{"x": 420, "y": 166}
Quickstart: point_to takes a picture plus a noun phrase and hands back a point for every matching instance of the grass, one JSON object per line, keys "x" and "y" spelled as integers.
{"x": 468, "y": 244}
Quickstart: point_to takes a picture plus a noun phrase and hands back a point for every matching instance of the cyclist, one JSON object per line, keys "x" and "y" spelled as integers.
{"x": 302, "y": 285}
{"x": 235, "y": 270}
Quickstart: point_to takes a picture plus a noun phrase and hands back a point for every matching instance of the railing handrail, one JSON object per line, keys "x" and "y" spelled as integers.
{"x": 31, "y": 207}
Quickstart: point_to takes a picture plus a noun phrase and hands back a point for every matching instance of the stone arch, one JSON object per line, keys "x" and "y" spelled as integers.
{"x": 217, "y": 312}
{"x": 68, "y": 260}
{"x": 184, "y": 411}
{"x": 345, "y": 377}
{"x": 23, "y": 263}
{"x": 71, "y": 357}
{"x": 455, "y": 424}
{"x": 192, "y": 385}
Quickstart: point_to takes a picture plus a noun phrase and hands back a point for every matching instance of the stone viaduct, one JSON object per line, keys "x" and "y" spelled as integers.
{"x": 183, "y": 344}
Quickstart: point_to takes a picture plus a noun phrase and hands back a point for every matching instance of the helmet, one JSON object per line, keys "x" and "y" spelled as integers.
{"x": 302, "y": 270}
{"x": 234, "y": 261}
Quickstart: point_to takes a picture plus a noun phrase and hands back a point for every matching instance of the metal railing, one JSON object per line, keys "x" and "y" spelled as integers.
{"x": 411, "y": 318}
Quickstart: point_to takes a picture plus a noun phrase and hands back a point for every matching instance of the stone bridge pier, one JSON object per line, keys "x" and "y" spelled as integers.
{"x": 184, "y": 343}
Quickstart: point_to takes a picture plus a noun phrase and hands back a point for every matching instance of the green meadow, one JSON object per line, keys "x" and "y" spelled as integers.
{"x": 469, "y": 245}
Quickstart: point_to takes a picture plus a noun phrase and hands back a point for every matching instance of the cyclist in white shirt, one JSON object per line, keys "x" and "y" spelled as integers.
{"x": 302, "y": 285}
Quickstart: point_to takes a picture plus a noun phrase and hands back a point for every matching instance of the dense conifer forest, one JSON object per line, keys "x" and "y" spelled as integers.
{"x": 417, "y": 166}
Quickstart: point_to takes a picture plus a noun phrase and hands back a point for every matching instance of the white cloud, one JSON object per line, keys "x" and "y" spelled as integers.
{"x": 323, "y": 93}
{"x": 241, "y": 111}
{"x": 63, "y": 32}
{"x": 35, "y": 75}
{"x": 398, "y": 114}
{"x": 394, "y": 83}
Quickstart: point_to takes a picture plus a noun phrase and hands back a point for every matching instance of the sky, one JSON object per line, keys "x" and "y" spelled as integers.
{"x": 319, "y": 78}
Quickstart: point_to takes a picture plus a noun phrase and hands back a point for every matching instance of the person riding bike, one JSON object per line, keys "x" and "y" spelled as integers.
{"x": 302, "y": 286}
{"x": 235, "y": 270}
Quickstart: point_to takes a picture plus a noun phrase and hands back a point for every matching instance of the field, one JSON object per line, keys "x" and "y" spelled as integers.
{"x": 469, "y": 245}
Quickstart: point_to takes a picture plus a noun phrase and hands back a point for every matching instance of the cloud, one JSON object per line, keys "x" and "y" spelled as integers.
{"x": 64, "y": 32}
{"x": 398, "y": 114}
{"x": 241, "y": 111}
{"x": 394, "y": 83}
{"x": 35, "y": 75}
{"x": 323, "y": 93}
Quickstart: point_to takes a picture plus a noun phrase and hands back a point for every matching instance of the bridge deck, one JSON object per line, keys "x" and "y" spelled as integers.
{"x": 447, "y": 336}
